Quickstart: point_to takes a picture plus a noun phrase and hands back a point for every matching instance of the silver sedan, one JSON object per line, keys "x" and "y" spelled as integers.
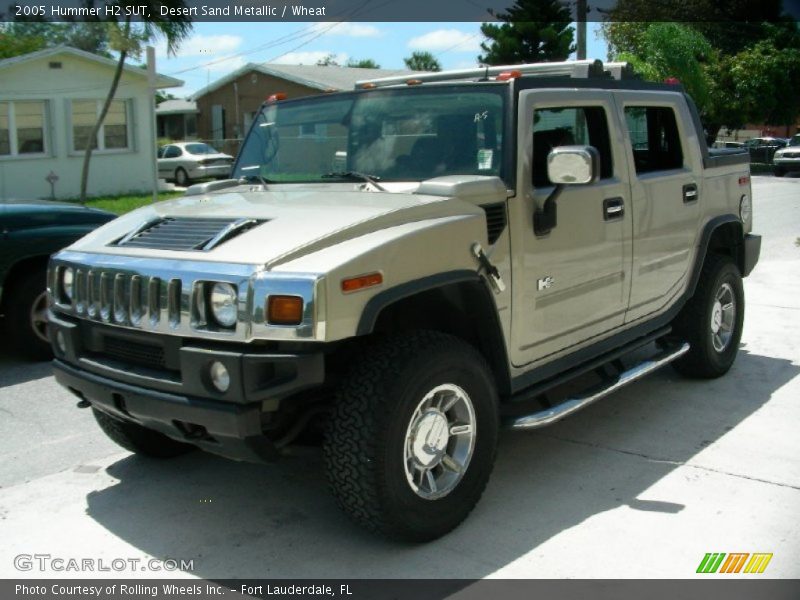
{"x": 182, "y": 162}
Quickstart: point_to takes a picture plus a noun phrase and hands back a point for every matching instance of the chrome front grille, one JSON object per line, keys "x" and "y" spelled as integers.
{"x": 128, "y": 299}
{"x": 166, "y": 296}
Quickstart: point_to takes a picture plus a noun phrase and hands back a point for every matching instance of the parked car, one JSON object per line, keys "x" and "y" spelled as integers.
{"x": 763, "y": 148}
{"x": 788, "y": 159}
{"x": 30, "y": 231}
{"x": 476, "y": 252}
{"x": 727, "y": 144}
{"x": 183, "y": 162}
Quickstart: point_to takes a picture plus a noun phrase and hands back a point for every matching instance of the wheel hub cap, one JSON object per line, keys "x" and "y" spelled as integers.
{"x": 430, "y": 438}
{"x": 723, "y": 317}
{"x": 439, "y": 441}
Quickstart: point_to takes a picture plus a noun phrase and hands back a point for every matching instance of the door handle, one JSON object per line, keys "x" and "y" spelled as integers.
{"x": 613, "y": 208}
{"x": 690, "y": 193}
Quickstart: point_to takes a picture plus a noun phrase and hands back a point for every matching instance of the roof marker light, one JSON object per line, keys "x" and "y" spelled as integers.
{"x": 506, "y": 75}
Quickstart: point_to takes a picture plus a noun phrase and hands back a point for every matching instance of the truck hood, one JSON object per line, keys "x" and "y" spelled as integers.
{"x": 297, "y": 220}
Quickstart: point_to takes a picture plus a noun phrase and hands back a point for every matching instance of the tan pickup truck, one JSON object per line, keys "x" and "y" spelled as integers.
{"x": 399, "y": 270}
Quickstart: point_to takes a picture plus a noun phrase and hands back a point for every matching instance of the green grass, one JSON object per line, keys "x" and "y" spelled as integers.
{"x": 124, "y": 203}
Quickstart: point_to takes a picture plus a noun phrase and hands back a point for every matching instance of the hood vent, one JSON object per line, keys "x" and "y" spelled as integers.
{"x": 495, "y": 220}
{"x": 186, "y": 233}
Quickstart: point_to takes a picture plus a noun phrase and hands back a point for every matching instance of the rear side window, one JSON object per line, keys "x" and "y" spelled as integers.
{"x": 584, "y": 126}
{"x": 654, "y": 137}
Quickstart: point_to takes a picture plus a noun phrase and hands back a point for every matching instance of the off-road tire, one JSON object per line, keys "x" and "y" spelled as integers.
{"x": 693, "y": 324}
{"x": 20, "y": 303}
{"x": 366, "y": 434}
{"x": 138, "y": 439}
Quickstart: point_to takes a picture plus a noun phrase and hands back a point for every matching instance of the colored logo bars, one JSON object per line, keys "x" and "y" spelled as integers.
{"x": 717, "y": 562}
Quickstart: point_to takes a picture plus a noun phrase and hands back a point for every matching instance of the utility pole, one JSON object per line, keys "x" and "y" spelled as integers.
{"x": 580, "y": 25}
{"x": 153, "y": 86}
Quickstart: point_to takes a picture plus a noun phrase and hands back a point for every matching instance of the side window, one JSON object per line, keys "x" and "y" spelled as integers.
{"x": 654, "y": 138}
{"x": 584, "y": 126}
{"x": 172, "y": 152}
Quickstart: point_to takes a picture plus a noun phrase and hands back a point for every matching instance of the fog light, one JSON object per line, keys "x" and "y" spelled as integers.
{"x": 220, "y": 377}
{"x": 61, "y": 342}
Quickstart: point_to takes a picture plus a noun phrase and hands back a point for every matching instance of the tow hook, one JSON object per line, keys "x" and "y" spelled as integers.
{"x": 491, "y": 271}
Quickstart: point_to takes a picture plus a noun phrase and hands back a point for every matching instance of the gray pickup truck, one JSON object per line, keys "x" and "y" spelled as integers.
{"x": 402, "y": 269}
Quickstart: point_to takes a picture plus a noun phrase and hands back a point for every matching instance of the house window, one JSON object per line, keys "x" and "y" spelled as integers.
{"x": 114, "y": 133}
{"x": 22, "y": 127}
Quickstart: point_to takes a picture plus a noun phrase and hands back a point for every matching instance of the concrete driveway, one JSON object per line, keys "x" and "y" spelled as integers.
{"x": 642, "y": 484}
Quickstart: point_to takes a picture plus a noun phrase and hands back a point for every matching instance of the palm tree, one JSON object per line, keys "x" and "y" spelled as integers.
{"x": 129, "y": 40}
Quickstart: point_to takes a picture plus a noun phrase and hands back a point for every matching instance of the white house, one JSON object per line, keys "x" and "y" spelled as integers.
{"x": 49, "y": 101}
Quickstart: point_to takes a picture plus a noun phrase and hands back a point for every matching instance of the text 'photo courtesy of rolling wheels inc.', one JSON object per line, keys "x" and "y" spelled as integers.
{"x": 372, "y": 300}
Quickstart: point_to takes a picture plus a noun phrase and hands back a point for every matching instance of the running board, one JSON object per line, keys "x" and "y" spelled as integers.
{"x": 556, "y": 413}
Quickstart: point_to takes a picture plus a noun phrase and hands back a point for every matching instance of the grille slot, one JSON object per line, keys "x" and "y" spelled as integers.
{"x": 186, "y": 233}
{"x": 128, "y": 351}
{"x": 495, "y": 220}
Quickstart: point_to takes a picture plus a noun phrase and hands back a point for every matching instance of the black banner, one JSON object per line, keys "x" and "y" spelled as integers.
{"x": 400, "y": 589}
{"x": 382, "y": 10}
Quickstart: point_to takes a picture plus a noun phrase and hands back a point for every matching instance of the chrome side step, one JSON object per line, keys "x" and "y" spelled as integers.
{"x": 549, "y": 416}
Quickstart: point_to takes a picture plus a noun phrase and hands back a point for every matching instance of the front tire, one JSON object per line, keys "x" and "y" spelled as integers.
{"x": 138, "y": 439}
{"x": 26, "y": 316}
{"x": 712, "y": 320}
{"x": 779, "y": 171}
{"x": 412, "y": 438}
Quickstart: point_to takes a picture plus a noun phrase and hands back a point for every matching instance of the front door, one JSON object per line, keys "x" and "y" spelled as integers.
{"x": 571, "y": 284}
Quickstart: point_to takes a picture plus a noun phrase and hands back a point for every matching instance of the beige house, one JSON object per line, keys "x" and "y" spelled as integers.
{"x": 49, "y": 101}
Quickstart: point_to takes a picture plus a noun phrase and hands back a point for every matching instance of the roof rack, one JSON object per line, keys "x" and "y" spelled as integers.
{"x": 573, "y": 68}
{"x": 619, "y": 70}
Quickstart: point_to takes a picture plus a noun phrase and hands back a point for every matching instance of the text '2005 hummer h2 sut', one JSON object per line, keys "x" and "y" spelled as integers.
{"x": 406, "y": 267}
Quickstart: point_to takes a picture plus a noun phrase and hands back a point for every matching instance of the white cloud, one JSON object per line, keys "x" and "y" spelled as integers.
{"x": 356, "y": 30}
{"x": 446, "y": 39}
{"x": 309, "y": 58}
{"x": 211, "y": 46}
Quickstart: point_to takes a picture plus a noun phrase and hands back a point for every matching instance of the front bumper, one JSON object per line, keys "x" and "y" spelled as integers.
{"x": 787, "y": 163}
{"x": 176, "y": 397}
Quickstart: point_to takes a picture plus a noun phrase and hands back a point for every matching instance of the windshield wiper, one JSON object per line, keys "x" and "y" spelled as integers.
{"x": 371, "y": 179}
{"x": 255, "y": 177}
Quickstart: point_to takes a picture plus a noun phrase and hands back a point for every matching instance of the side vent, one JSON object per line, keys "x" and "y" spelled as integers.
{"x": 495, "y": 220}
{"x": 186, "y": 233}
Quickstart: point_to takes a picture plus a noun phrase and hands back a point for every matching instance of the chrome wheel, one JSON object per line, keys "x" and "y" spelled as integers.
{"x": 723, "y": 317}
{"x": 439, "y": 441}
{"x": 38, "y": 317}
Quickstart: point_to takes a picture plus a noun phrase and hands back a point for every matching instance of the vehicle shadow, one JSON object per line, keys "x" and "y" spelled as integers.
{"x": 238, "y": 520}
{"x": 15, "y": 370}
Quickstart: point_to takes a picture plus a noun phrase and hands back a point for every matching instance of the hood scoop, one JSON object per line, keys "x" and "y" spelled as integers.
{"x": 186, "y": 233}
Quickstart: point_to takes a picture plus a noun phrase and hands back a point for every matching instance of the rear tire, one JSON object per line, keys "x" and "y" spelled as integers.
{"x": 182, "y": 177}
{"x": 411, "y": 442}
{"x": 26, "y": 315}
{"x": 712, "y": 320}
{"x": 138, "y": 439}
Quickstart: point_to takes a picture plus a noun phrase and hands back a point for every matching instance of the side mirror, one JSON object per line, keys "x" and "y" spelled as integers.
{"x": 573, "y": 165}
{"x": 566, "y": 165}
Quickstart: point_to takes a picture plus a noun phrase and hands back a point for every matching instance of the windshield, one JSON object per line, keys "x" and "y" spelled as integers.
{"x": 795, "y": 141}
{"x": 406, "y": 134}
{"x": 200, "y": 149}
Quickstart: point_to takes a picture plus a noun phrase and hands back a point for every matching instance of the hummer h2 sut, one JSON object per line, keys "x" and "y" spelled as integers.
{"x": 408, "y": 266}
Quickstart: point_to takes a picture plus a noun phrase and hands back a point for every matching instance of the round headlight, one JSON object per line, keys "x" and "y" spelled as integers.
{"x": 67, "y": 283}
{"x": 223, "y": 304}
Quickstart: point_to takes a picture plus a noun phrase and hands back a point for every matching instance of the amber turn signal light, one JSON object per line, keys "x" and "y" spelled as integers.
{"x": 285, "y": 310}
{"x": 359, "y": 283}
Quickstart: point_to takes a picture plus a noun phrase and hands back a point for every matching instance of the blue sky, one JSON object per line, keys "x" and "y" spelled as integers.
{"x": 215, "y": 49}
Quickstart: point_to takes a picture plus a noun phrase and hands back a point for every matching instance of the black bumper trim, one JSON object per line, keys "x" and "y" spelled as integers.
{"x": 752, "y": 250}
{"x": 235, "y": 428}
